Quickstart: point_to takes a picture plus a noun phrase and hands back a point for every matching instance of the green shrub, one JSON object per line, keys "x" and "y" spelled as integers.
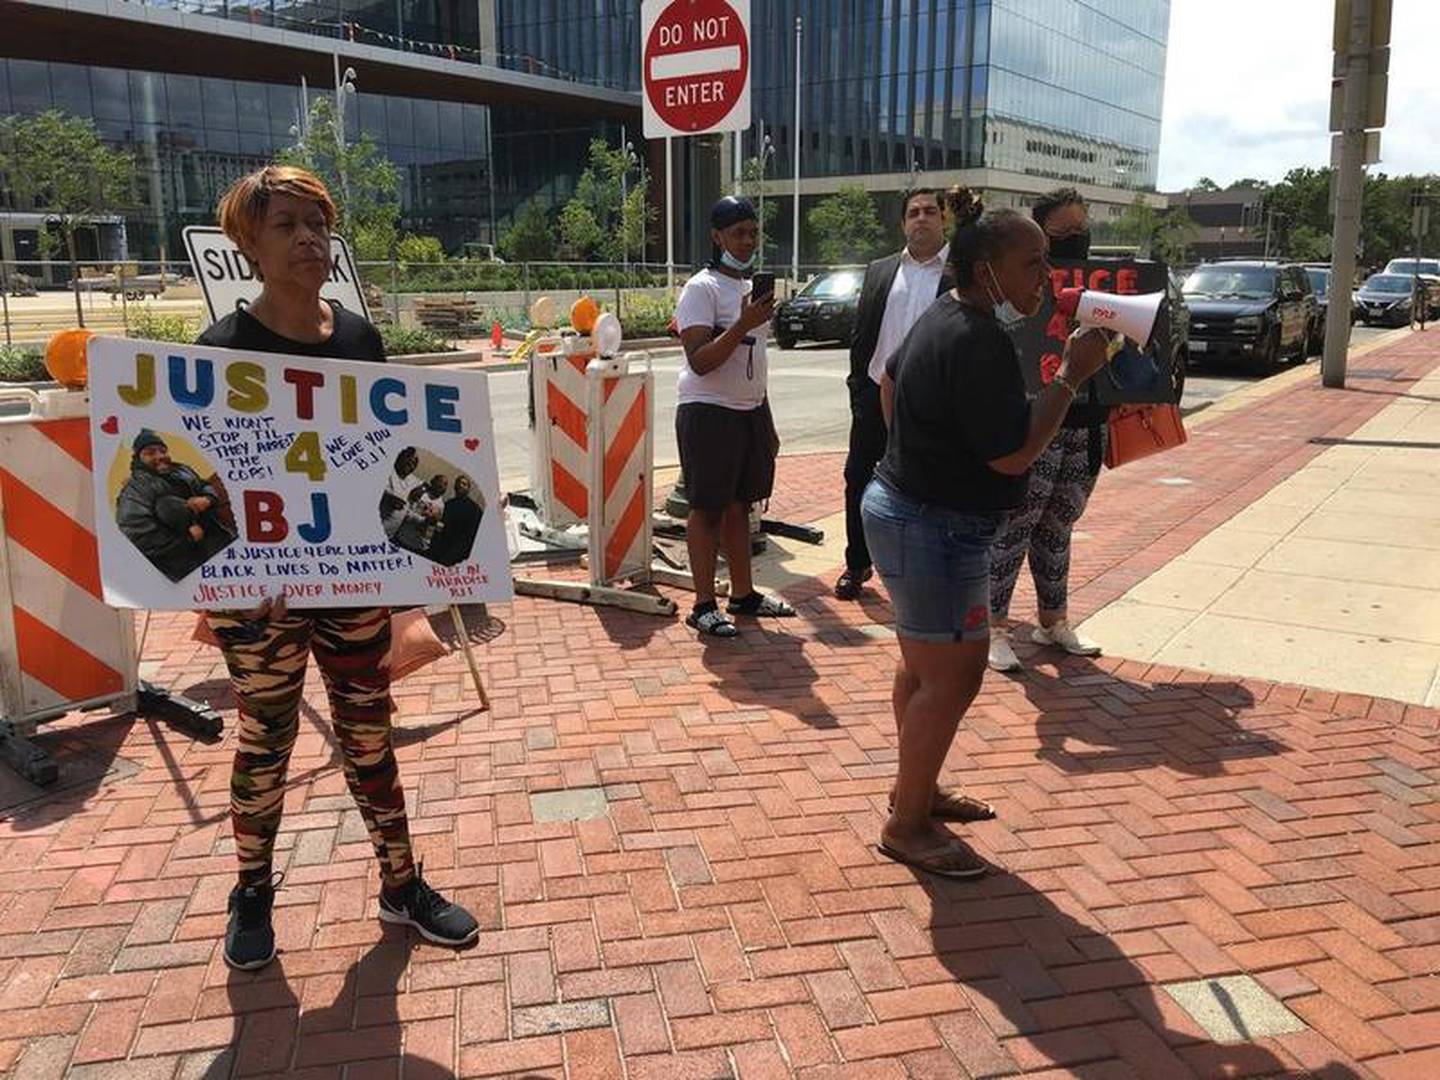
{"x": 22, "y": 363}
{"x": 155, "y": 326}
{"x": 511, "y": 318}
{"x": 407, "y": 340}
{"x": 647, "y": 316}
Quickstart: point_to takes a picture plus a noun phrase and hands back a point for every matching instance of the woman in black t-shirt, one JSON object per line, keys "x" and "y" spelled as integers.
{"x": 962, "y": 438}
{"x": 280, "y": 218}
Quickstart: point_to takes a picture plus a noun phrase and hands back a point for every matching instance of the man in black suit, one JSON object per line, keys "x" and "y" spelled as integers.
{"x": 897, "y": 290}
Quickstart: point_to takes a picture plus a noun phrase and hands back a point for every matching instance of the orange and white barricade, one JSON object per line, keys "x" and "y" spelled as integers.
{"x": 61, "y": 647}
{"x": 620, "y": 406}
{"x": 562, "y": 438}
{"x": 595, "y": 433}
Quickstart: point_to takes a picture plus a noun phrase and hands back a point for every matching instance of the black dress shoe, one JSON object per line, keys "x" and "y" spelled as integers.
{"x": 848, "y": 587}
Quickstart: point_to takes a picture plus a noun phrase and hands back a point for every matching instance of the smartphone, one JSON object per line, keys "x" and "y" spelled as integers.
{"x": 762, "y": 285}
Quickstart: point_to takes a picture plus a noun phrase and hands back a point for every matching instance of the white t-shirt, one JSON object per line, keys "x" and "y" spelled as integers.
{"x": 712, "y": 299}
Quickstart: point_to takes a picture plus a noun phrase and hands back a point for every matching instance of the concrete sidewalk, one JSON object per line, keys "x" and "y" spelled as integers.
{"x": 669, "y": 844}
{"x": 1332, "y": 577}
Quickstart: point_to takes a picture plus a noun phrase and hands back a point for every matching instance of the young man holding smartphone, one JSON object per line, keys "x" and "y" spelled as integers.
{"x": 723, "y": 425}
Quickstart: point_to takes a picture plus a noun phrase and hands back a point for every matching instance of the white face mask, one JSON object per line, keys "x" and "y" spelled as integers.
{"x": 1006, "y": 313}
{"x": 731, "y": 262}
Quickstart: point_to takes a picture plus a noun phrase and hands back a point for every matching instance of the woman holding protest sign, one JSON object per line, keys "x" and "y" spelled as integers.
{"x": 962, "y": 440}
{"x": 1040, "y": 529}
{"x": 280, "y": 218}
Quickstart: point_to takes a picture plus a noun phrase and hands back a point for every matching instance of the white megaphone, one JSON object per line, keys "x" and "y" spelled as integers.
{"x": 1133, "y": 316}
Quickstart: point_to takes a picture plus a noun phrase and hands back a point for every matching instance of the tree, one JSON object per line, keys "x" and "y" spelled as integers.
{"x": 581, "y": 236}
{"x": 1205, "y": 184}
{"x": 1172, "y": 240}
{"x": 530, "y": 238}
{"x": 58, "y": 165}
{"x": 1308, "y": 244}
{"x": 609, "y": 214}
{"x": 1154, "y": 234}
{"x": 420, "y": 249}
{"x": 1136, "y": 227}
{"x": 769, "y": 209}
{"x": 363, "y": 182}
{"x": 846, "y": 227}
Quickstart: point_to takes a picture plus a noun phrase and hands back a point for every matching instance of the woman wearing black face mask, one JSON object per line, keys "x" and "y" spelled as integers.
{"x": 1060, "y": 485}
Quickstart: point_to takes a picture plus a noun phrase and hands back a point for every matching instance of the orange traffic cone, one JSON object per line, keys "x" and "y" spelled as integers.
{"x": 497, "y": 335}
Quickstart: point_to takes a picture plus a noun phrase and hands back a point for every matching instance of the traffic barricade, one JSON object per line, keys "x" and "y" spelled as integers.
{"x": 62, "y": 648}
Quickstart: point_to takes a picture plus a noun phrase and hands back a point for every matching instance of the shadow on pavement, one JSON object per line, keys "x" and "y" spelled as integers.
{"x": 1192, "y": 727}
{"x": 1071, "y": 995}
{"x": 766, "y": 667}
{"x": 273, "y": 1034}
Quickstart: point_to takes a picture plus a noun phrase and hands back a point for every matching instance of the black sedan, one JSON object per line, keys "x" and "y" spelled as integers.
{"x": 824, "y": 310}
{"x": 1386, "y": 299}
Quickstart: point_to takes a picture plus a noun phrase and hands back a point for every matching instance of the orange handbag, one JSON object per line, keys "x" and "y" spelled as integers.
{"x": 1137, "y": 431}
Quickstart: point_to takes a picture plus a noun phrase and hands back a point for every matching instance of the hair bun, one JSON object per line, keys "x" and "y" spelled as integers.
{"x": 964, "y": 206}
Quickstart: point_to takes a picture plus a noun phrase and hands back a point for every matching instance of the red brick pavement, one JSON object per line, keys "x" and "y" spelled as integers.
{"x": 728, "y": 916}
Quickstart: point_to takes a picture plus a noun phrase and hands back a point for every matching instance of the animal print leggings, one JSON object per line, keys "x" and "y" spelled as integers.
{"x": 1060, "y": 486}
{"x": 351, "y": 646}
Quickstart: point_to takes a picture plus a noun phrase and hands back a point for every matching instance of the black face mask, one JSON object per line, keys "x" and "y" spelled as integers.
{"x": 1074, "y": 246}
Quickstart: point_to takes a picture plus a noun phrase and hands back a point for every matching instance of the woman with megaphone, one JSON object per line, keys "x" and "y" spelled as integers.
{"x": 963, "y": 437}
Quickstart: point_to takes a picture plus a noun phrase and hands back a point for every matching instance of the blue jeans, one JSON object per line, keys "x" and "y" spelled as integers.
{"x": 934, "y": 561}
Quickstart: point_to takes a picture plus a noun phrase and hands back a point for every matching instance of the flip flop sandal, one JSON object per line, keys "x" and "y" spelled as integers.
{"x": 952, "y": 860}
{"x": 759, "y": 604}
{"x": 713, "y": 623}
{"x": 959, "y": 808}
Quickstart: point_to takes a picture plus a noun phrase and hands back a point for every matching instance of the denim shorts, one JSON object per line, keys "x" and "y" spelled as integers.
{"x": 934, "y": 561}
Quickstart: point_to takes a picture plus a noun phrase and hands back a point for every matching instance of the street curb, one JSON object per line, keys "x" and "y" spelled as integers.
{"x": 1276, "y": 384}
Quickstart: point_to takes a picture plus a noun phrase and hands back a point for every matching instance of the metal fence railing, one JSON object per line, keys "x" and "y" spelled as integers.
{"x": 456, "y": 299}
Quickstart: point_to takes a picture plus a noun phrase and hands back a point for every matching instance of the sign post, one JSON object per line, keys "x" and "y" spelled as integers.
{"x": 695, "y": 70}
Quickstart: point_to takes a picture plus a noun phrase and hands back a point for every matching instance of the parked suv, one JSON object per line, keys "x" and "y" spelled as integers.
{"x": 824, "y": 310}
{"x": 1259, "y": 311}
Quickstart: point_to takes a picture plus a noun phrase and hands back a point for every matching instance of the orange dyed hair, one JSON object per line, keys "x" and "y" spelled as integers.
{"x": 243, "y": 207}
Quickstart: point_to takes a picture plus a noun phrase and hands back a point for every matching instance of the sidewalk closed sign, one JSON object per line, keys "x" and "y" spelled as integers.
{"x": 224, "y": 477}
{"x": 226, "y": 278}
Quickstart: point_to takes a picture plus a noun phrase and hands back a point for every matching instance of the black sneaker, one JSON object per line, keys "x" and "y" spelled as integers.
{"x": 417, "y": 904}
{"x": 249, "y": 937}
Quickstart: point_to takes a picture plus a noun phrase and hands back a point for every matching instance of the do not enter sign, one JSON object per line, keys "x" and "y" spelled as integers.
{"x": 695, "y": 56}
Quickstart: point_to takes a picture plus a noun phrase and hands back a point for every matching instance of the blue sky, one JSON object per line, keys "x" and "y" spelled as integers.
{"x": 1247, "y": 90}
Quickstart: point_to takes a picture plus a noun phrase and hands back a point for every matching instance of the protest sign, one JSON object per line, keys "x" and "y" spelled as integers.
{"x": 225, "y": 477}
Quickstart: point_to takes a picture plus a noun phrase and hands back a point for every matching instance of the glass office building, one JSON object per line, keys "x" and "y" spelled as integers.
{"x": 465, "y": 167}
{"x": 1069, "y": 90}
{"x": 1008, "y": 95}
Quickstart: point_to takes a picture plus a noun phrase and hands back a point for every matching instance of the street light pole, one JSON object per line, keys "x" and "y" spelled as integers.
{"x": 767, "y": 151}
{"x": 344, "y": 85}
{"x": 627, "y": 152}
{"x": 795, "y": 146}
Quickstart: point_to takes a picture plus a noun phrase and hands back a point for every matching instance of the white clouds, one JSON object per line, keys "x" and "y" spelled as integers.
{"x": 1247, "y": 89}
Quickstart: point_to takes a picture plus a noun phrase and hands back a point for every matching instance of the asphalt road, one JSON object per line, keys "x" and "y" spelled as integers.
{"x": 807, "y": 395}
